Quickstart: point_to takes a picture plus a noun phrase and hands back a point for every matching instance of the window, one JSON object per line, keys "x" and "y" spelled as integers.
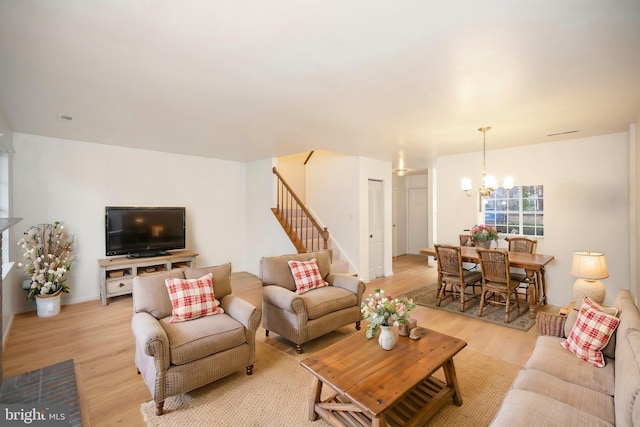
{"x": 516, "y": 211}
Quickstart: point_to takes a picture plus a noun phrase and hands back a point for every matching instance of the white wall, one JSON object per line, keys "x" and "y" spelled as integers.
{"x": 585, "y": 196}
{"x": 293, "y": 169}
{"x": 57, "y": 179}
{"x": 332, "y": 197}
{"x": 337, "y": 194}
{"x": 264, "y": 234}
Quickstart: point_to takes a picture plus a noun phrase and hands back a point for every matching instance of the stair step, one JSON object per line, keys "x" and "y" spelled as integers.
{"x": 340, "y": 267}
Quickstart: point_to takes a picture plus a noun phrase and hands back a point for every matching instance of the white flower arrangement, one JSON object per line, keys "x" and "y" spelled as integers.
{"x": 383, "y": 310}
{"x": 49, "y": 251}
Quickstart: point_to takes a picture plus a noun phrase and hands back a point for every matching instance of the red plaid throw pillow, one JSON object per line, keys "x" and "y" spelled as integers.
{"x": 591, "y": 333}
{"x": 192, "y": 298}
{"x": 306, "y": 275}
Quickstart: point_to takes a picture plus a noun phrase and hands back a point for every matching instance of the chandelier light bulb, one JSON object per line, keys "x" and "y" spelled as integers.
{"x": 489, "y": 182}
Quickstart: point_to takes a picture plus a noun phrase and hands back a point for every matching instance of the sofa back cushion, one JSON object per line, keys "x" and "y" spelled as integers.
{"x": 221, "y": 278}
{"x": 627, "y": 404}
{"x": 150, "y": 293}
{"x": 627, "y": 370}
{"x": 276, "y": 271}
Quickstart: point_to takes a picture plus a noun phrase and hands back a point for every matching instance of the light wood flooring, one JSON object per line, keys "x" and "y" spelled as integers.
{"x": 99, "y": 340}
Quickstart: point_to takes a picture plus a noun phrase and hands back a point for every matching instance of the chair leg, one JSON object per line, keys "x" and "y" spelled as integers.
{"x": 249, "y": 369}
{"x": 266, "y": 333}
{"x": 299, "y": 348}
{"x": 482, "y": 302}
{"x": 443, "y": 288}
{"x": 507, "y": 311}
{"x": 358, "y": 325}
{"x": 159, "y": 406}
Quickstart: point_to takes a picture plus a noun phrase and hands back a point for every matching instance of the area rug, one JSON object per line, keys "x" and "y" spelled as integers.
{"x": 278, "y": 393}
{"x": 48, "y": 386}
{"x": 427, "y": 296}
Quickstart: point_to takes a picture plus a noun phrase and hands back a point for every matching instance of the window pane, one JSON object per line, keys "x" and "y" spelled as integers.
{"x": 516, "y": 211}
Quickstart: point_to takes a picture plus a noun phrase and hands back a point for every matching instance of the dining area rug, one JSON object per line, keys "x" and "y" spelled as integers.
{"x": 427, "y": 296}
{"x": 278, "y": 392}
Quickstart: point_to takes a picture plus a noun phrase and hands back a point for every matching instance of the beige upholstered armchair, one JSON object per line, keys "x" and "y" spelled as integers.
{"x": 175, "y": 358}
{"x": 303, "y": 317}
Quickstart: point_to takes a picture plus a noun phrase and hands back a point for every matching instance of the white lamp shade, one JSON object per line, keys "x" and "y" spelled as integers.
{"x": 508, "y": 183}
{"x": 589, "y": 266}
{"x": 490, "y": 181}
{"x": 465, "y": 184}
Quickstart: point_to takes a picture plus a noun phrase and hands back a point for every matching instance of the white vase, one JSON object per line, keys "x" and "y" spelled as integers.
{"x": 48, "y": 305}
{"x": 387, "y": 338}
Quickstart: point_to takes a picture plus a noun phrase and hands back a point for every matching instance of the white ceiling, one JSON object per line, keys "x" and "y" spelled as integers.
{"x": 246, "y": 80}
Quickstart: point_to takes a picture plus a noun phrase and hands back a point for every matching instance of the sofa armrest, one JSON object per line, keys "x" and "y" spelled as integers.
{"x": 242, "y": 311}
{"x": 151, "y": 337}
{"x": 348, "y": 282}
{"x": 550, "y": 324}
{"x": 282, "y": 298}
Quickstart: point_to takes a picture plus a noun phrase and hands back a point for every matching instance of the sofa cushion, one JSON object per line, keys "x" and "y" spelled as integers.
{"x": 550, "y": 357}
{"x": 192, "y": 298}
{"x": 590, "y": 334}
{"x": 527, "y": 408}
{"x": 150, "y": 293}
{"x": 598, "y": 404}
{"x": 306, "y": 275}
{"x": 321, "y": 301}
{"x": 221, "y": 277}
{"x": 198, "y": 338}
{"x": 275, "y": 270}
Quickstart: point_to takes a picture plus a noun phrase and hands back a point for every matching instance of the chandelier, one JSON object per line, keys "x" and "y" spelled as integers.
{"x": 489, "y": 183}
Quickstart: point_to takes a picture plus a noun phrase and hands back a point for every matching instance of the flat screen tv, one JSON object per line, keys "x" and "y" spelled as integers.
{"x": 139, "y": 232}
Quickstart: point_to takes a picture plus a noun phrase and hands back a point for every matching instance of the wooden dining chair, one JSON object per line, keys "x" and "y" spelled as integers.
{"x": 526, "y": 245}
{"x": 451, "y": 274}
{"x": 497, "y": 282}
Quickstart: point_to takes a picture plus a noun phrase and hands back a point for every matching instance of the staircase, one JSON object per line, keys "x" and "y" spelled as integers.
{"x": 302, "y": 228}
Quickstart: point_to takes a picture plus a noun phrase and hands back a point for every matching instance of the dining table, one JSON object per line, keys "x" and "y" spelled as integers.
{"x": 533, "y": 264}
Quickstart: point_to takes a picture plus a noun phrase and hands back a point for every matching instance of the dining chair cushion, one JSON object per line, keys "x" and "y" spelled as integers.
{"x": 590, "y": 334}
{"x": 306, "y": 275}
{"x": 192, "y": 298}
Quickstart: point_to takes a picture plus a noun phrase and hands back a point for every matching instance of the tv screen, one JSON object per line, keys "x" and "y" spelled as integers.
{"x": 144, "y": 231}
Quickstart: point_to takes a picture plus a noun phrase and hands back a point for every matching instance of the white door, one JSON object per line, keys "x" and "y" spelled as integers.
{"x": 394, "y": 220}
{"x": 376, "y": 230}
{"x": 417, "y": 231}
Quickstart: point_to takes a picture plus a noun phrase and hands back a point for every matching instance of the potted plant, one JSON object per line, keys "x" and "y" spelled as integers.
{"x": 49, "y": 256}
{"x": 383, "y": 312}
{"x": 483, "y": 235}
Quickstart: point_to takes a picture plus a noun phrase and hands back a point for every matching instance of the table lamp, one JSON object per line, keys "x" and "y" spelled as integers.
{"x": 589, "y": 267}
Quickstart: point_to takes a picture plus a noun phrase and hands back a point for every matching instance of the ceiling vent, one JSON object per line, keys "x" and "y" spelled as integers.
{"x": 564, "y": 132}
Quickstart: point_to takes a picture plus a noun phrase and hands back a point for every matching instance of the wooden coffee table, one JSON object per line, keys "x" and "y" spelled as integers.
{"x": 377, "y": 387}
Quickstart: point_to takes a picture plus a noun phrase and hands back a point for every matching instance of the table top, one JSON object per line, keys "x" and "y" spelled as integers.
{"x": 376, "y": 379}
{"x": 516, "y": 259}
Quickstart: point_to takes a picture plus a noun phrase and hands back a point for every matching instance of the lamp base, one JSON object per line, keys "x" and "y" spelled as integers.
{"x": 594, "y": 289}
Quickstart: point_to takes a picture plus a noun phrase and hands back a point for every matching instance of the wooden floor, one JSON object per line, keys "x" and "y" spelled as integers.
{"x": 99, "y": 340}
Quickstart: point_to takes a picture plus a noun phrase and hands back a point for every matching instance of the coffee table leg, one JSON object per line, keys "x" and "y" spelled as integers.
{"x": 452, "y": 381}
{"x": 316, "y": 392}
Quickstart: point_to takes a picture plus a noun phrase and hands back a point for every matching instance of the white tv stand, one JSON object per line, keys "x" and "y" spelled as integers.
{"x": 117, "y": 273}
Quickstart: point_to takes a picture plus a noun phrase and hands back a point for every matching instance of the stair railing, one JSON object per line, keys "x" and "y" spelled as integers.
{"x": 301, "y": 227}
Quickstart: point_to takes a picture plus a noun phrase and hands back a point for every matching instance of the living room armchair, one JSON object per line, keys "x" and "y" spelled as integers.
{"x": 302, "y": 316}
{"x": 180, "y": 356}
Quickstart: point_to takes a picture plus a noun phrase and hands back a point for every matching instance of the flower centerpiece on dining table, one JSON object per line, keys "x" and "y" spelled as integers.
{"x": 49, "y": 254}
{"x": 484, "y": 233}
{"x": 381, "y": 309}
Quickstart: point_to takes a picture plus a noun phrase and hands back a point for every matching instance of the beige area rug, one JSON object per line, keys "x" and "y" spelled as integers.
{"x": 428, "y": 297}
{"x": 277, "y": 393}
